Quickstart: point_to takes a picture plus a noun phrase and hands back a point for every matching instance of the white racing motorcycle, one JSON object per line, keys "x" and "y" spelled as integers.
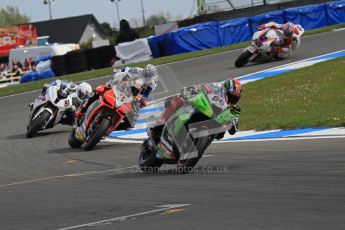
{"x": 49, "y": 110}
{"x": 262, "y": 44}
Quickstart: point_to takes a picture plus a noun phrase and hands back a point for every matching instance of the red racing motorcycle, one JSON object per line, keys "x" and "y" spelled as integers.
{"x": 102, "y": 117}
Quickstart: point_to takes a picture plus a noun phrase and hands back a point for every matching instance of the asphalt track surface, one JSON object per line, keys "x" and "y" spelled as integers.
{"x": 296, "y": 184}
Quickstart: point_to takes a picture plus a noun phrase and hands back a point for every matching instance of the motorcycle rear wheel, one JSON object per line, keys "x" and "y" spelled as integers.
{"x": 37, "y": 124}
{"x": 243, "y": 59}
{"x": 97, "y": 134}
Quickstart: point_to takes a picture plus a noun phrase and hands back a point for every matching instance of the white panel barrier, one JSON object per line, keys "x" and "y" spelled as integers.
{"x": 131, "y": 52}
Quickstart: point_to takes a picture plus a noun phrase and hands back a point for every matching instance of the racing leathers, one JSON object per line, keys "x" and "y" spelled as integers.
{"x": 150, "y": 82}
{"x": 287, "y": 32}
{"x": 119, "y": 77}
{"x": 173, "y": 103}
{"x": 66, "y": 88}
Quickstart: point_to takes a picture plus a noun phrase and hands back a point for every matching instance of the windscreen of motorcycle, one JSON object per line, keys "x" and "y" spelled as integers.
{"x": 123, "y": 93}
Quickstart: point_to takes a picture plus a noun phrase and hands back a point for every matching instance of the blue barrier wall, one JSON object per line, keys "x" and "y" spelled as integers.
{"x": 310, "y": 17}
{"x": 159, "y": 44}
{"x": 234, "y": 31}
{"x": 274, "y": 16}
{"x": 336, "y": 12}
{"x": 196, "y": 37}
{"x": 213, "y": 34}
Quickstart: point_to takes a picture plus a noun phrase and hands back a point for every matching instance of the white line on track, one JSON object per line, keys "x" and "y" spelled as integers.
{"x": 288, "y": 64}
{"x": 288, "y": 138}
{"x": 123, "y": 218}
{"x": 339, "y": 29}
{"x": 67, "y": 175}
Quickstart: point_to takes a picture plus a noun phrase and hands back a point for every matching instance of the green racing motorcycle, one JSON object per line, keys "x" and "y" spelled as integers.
{"x": 183, "y": 138}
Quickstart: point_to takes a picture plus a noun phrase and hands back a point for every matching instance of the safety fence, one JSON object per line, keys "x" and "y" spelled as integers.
{"x": 216, "y": 34}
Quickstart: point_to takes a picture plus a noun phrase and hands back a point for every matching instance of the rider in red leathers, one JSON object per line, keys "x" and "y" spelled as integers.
{"x": 135, "y": 82}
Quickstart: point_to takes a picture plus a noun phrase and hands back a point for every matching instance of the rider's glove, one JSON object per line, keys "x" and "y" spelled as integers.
{"x": 233, "y": 129}
{"x": 101, "y": 88}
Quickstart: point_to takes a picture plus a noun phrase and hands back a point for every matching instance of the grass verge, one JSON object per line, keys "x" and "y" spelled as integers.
{"x": 310, "y": 97}
{"x": 15, "y": 89}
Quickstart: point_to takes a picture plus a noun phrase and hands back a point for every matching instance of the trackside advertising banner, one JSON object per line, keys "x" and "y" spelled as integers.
{"x": 10, "y": 37}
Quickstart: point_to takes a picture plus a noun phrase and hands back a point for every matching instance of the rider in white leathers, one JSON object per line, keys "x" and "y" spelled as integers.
{"x": 289, "y": 32}
{"x": 79, "y": 94}
{"x": 150, "y": 76}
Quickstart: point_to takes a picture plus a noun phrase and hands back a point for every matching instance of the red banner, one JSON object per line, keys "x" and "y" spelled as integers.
{"x": 15, "y": 36}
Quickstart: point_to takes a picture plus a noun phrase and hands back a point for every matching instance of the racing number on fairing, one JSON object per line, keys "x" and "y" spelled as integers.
{"x": 257, "y": 42}
{"x": 219, "y": 100}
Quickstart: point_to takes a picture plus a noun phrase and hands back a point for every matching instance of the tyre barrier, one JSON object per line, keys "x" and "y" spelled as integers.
{"x": 94, "y": 59}
{"x": 29, "y": 76}
{"x": 58, "y": 65}
{"x": 108, "y": 53}
{"x": 47, "y": 73}
{"x": 76, "y": 61}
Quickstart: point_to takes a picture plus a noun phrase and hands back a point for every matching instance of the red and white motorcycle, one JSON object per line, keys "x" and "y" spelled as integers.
{"x": 262, "y": 46}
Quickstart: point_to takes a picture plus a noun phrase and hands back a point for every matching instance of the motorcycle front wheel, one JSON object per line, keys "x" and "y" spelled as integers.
{"x": 37, "y": 124}
{"x": 185, "y": 166}
{"x": 97, "y": 133}
{"x": 243, "y": 59}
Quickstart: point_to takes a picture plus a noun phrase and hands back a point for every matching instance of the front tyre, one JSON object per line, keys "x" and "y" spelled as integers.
{"x": 243, "y": 59}
{"x": 97, "y": 134}
{"x": 147, "y": 159}
{"x": 37, "y": 124}
{"x": 185, "y": 166}
{"x": 73, "y": 141}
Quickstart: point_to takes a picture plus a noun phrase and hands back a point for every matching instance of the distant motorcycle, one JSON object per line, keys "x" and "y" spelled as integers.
{"x": 101, "y": 117}
{"x": 185, "y": 136}
{"x": 49, "y": 109}
{"x": 262, "y": 44}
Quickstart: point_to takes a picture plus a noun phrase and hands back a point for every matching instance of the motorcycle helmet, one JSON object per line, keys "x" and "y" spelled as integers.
{"x": 233, "y": 90}
{"x": 289, "y": 29}
{"x": 84, "y": 90}
{"x": 150, "y": 71}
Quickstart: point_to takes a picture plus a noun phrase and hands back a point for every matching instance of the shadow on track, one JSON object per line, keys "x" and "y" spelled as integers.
{"x": 22, "y": 136}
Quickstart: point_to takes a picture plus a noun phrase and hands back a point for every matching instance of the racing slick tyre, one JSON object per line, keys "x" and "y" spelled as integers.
{"x": 147, "y": 159}
{"x": 97, "y": 134}
{"x": 37, "y": 124}
{"x": 243, "y": 58}
{"x": 185, "y": 166}
{"x": 72, "y": 140}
